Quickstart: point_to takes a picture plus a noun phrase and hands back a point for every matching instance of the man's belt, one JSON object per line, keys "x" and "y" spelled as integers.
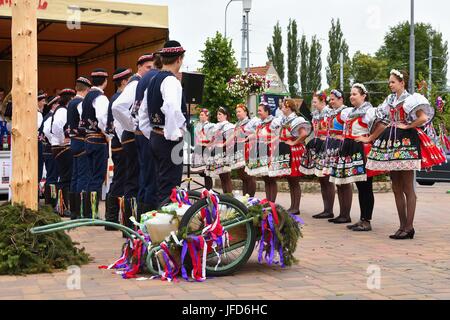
{"x": 159, "y": 131}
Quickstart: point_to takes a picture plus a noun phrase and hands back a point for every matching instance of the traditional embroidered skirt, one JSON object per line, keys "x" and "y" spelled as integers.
{"x": 198, "y": 159}
{"x": 351, "y": 163}
{"x": 313, "y": 160}
{"x": 258, "y": 162}
{"x": 241, "y": 155}
{"x": 404, "y": 150}
{"x": 286, "y": 161}
{"x": 330, "y": 155}
{"x": 218, "y": 162}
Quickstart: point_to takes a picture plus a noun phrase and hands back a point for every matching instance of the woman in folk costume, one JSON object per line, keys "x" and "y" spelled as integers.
{"x": 291, "y": 133}
{"x": 312, "y": 162}
{"x": 261, "y": 150}
{"x": 242, "y": 131}
{"x": 351, "y": 162}
{"x": 402, "y": 147}
{"x": 220, "y": 150}
{"x": 202, "y": 138}
{"x": 333, "y": 144}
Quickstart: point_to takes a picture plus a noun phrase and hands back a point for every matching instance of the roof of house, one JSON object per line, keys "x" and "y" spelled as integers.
{"x": 262, "y": 71}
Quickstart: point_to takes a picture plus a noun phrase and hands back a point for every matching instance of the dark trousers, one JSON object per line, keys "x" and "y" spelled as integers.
{"x": 132, "y": 165}
{"x": 366, "y": 198}
{"x": 147, "y": 174}
{"x": 97, "y": 155}
{"x": 116, "y": 188}
{"x": 168, "y": 173}
{"x": 63, "y": 159}
{"x": 80, "y": 166}
{"x": 40, "y": 161}
{"x": 50, "y": 166}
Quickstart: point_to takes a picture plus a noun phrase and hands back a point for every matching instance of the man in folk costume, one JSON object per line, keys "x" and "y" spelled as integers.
{"x": 167, "y": 112}
{"x": 51, "y": 179}
{"x": 80, "y": 166}
{"x": 41, "y": 104}
{"x": 114, "y": 198}
{"x": 60, "y": 142}
{"x": 147, "y": 199}
{"x": 122, "y": 112}
{"x": 93, "y": 122}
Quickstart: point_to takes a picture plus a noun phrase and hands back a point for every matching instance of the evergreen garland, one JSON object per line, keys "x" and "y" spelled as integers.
{"x": 288, "y": 231}
{"x": 22, "y": 252}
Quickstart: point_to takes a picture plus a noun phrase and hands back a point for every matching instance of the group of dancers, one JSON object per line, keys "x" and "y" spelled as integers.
{"x": 349, "y": 145}
{"x": 140, "y": 125}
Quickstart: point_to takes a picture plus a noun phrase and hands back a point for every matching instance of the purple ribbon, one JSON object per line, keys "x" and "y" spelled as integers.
{"x": 261, "y": 242}
{"x": 272, "y": 240}
{"x": 167, "y": 261}
{"x": 183, "y": 256}
{"x": 297, "y": 219}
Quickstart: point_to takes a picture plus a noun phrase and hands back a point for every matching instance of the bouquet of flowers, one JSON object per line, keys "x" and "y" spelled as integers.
{"x": 241, "y": 86}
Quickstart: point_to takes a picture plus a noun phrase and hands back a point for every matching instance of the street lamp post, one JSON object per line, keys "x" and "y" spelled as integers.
{"x": 226, "y": 10}
{"x": 247, "y": 6}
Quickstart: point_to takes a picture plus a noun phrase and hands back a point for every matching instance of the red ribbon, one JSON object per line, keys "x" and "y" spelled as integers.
{"x": 273, "y": 208}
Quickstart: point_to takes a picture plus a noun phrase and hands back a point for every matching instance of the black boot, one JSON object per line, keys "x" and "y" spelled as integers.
{"x": 112, "y": 211}
{"x": 47, "y": 195}
{"x": 66, "y": 203}
{"x": 86, "y": 204}
{"x": 128, "y": 213}
{"x": 75, "y": 204}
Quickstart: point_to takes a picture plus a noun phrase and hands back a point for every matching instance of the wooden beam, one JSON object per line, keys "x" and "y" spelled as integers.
{"x": 24, "y": 92}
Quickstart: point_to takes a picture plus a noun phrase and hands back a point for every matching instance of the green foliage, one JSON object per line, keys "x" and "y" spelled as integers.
{"x": 373, "y": 73}
{"x": 289, "y": 233}
{"x": 219, "y": 66}
{"x": 337, "y": 45}
{"x": 304, "y": 65}
{"x": 24, "y": 253}
{"x": 396, "y": 50}
{"x": 315, "y": 66}
{"x": 293, "y": 55}
{"x": 275, "y": 51}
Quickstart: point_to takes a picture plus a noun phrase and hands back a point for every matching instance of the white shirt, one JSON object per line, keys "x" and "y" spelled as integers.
{"x": 175, "y": 122}
{"x": 143, "y": 118}
{"x": 40, "y": 118}
{"x": 57, "y": 128}
{"x": 121, "y": 108}
{"x": 101, "y": 104}
{"x": 47, "y": 128}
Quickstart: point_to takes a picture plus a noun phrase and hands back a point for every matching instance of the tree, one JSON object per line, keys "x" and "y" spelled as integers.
{"x": 396, "y": 51}
{"x": 338, "y": 45}
{"x": 217, "y": 75}
{"x": 293, "y": 55}
{"x": 304, "y": 65}
{"x": 371, "y": 71}
{"x": 275, "y": 52}
{"x": 315, "y": 66}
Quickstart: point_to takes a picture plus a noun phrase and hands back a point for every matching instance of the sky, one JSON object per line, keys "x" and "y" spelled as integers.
{"x": 364, "y": 23}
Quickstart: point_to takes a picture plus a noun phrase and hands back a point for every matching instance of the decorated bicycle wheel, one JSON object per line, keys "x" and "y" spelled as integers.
{"x": 182, "y": 196}
{"x": 238, "y": 240}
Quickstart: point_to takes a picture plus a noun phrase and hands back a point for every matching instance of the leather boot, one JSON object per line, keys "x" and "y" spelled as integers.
{"x": 128, "y": 213}
{"x": 86, "y": 204}
{"x": 112, "y": 211}
{"x": 74, "y": 205}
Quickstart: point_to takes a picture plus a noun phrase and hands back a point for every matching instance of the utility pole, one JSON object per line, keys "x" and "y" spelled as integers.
{"x": 342, "y": 70}
{"x": 430, "y": 79}
{"x": 248, "y": 40}
{"x": 412, "y": 53}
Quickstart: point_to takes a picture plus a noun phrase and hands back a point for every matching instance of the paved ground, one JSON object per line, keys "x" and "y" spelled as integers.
{"x": 333, "y": 263}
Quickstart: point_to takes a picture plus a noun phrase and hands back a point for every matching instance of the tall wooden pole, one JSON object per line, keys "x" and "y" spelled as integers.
{"x": 24, "y": 93}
